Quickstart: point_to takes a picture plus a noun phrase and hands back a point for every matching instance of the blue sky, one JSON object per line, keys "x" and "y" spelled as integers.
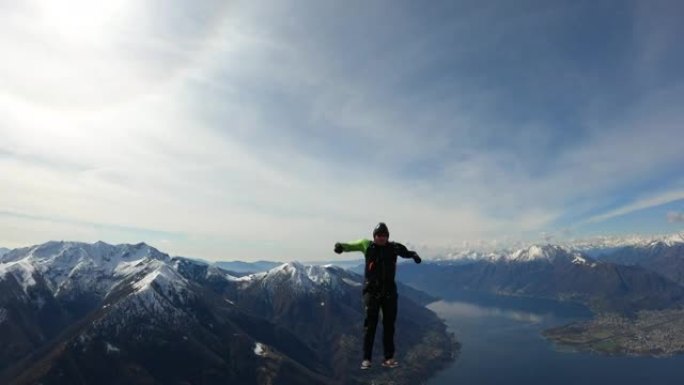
{"x": 270, "y": 130}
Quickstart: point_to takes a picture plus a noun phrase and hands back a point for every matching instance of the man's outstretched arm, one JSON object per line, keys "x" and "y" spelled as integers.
{"x": 403, "y": 252}
{"x": 360, "y": 245}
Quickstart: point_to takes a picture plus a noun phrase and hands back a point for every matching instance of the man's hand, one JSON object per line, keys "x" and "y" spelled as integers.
{"x": 338, "y": 248}
{"x": 416, "y": 257}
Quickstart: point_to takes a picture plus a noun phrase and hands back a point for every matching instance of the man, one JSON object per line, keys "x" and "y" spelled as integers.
{"x": 379, "y": 289}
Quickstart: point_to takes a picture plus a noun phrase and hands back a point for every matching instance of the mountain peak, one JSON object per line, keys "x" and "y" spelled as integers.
{"x": 538, "y": 253}
{"x": 550, "y": 253}
{"x": 162, "y": 277}
{"x": 290, "y": 268}
{"x": 669, "y": 240}
{"x": 68, "y": 266}
{"x": 301, "y": 278}
{"x": 58, "y": 250}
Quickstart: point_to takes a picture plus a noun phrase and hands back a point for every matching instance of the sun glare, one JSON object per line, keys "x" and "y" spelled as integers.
{"x": 82, "y": 20}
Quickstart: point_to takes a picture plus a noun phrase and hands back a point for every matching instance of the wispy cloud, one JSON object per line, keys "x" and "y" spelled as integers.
{"x": 675, "y": 217}
{"x": 641, "y": 204}
{"x": 242, "y": 130}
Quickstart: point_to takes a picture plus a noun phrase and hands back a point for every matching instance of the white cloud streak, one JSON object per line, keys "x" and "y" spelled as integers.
{"x": 641, "y": 204}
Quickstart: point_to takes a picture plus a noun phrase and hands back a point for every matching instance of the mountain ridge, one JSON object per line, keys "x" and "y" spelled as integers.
{"x": 552, "y": 272}
{"x": 103, "y": 313}
{"x": 593, "y": 247}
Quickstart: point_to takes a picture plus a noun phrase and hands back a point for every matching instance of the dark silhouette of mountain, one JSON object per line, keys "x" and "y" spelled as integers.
{"x": 74, "y": 313}
{"x": 247, "y": 267}
{"x": 554, "y": 273}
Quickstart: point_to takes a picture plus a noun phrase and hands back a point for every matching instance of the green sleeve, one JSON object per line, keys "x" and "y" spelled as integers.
{"x": 360, "y": 245}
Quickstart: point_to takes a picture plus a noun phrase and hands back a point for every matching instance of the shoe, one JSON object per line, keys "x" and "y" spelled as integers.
{"x": 390, "y": 363}
{"x": 365, "y": 364}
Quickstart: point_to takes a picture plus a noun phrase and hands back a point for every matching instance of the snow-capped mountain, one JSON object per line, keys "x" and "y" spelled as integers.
{"x": 594, "y": 247}
{"x": 3, "y": 251}
{"x": 304, "y": 279}
{"x": 70, "y": 266}
{"x": 470, "y": 255}
{"x": 599, "y": 246}
{"x": 79, "y": 276}
{"x": 537, "y": 253}
{"x": 671, "y": 240}
{"x": 547, "y": 253}
{"x": 533, "y": 253}
{"x": 550, "y": 271}
{"x": 664, "y": 256}
{"x": 73, "y": 312}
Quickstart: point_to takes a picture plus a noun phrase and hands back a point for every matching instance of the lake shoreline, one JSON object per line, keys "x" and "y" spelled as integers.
{"x": 503, "y": 343}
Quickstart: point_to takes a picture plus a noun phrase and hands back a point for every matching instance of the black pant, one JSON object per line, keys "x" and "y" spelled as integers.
{"x": 374, "y": 303}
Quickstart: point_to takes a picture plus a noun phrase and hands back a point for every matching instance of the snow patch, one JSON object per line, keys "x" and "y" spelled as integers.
{"x": 167, "y": 279}
{"x": 82, "y": 339}
{"x": 351, "y": 282}
{"x": 260, "y": 349}
{"x": 112, "y": 349}
{"x": 129, "y": 267}
{"x": 3, "y": 315}
{"x": 247, "y": 278}
{"x": 146, "y": 282}
{"x": 579, "y": 260}
{"x": 22, "y": 270}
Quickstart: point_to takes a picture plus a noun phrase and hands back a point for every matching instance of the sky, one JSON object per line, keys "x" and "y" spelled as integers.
{"x": 271, "y": 130}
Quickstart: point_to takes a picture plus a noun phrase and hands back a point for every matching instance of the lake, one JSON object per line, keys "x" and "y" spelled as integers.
{"x": 502, "y": 344}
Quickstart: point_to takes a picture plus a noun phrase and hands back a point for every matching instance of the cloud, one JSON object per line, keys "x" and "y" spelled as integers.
{"x": 675, "y": 217}
{"x": 273, "y": 131}
{"x": 647, "y": 202}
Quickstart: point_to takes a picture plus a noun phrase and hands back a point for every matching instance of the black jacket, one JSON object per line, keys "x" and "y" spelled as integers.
{"x": 381, "y": 267}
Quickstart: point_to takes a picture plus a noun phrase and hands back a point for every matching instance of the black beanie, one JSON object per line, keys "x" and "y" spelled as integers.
{"x": 381, "y": 229}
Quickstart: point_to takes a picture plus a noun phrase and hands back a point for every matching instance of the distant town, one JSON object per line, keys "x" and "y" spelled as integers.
{"x": 650, "y": 333}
